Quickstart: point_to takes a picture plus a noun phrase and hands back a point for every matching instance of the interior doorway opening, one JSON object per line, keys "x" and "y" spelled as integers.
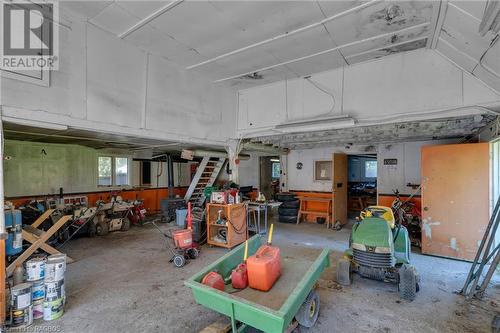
{"x": 362, "y": 182}
{"x": 269, "y": 176}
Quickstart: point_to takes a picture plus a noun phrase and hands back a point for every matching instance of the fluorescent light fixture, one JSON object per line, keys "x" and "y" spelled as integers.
{"x": 32, "y": 123}
{"x": 274, "y": 159}
{"x": 318, "y": 124}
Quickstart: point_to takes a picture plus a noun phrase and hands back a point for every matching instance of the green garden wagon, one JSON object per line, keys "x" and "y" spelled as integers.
{"x": 292, "y": 296}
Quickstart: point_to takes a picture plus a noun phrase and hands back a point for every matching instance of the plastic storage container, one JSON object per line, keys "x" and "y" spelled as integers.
{"x": 264, "y": 268}
{"x": 180, "y": 217}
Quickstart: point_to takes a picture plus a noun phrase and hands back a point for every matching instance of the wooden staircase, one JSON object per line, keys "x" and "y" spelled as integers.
{"x": 206, "y": 174}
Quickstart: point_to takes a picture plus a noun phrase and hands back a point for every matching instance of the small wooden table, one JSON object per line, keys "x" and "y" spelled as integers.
{"x": 303, "y": 211}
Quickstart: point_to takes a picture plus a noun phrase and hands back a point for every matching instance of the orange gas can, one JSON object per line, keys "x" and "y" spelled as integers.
{"x": 264, "y": 267}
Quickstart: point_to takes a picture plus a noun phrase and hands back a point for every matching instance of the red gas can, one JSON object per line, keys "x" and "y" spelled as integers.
{"x": 264, "y": 267}
{"x": 214, "y": 280}
{"x": 239, "y": 277}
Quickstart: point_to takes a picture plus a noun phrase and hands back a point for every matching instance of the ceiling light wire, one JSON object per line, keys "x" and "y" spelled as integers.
{"x": 315, "y": 84}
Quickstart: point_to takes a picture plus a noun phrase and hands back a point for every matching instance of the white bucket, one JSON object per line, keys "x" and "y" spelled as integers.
{"x": 54, "y": 270}
{"x": 58, "y": 258}
{"x": 35, "y": 269}
{"x": 20, "y": 296}
{"x": 38, "y": 290}
{"x": 38, "y": 309}
{"x": 54, "y": 290}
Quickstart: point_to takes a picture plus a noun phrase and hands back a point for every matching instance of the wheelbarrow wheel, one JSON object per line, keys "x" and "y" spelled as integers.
{"x": 309, "y": 310}
{"x": 193, "y": 253}
{"x": 179, "y": 261}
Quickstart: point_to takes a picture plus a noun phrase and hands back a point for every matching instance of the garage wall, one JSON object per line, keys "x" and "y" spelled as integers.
{"x": 249, "y": 171}
{"x": 105, "y": 84}
{"x": 400, "y": 87}
{"x": 34, "y": 169}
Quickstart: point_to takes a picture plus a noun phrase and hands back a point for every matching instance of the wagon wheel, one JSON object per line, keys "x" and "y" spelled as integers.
{"x": 309, "y": 310}
{"x": 179, "y": 261}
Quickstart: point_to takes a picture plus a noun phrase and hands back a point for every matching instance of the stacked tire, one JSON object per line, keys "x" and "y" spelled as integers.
{"x": 289, "y": 208}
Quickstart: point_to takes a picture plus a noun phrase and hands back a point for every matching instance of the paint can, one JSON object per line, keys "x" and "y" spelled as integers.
{"x": 22, "y": 318}
{"x": 54, "y": 290}
{"x": 38, "y": 290}
{"x": 59, "y": 257}
{"x": 38, "y": 309}
{"x": 20, "y": 296}
{"x": 35, "y": 269}
{"x": 53, "y": 310}
{"x": 54, "y": 270}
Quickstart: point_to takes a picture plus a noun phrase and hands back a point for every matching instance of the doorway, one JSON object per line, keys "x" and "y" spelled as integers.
{"x": 362, "y": 182}
{"x": 269, "y": 179}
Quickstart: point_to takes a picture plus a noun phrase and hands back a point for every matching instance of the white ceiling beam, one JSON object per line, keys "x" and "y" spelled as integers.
{"x": 150, "y": 18}
{"x": 321, "y": 52}
{"x": 438, "y": 21}
{"x": 286, "y": 34}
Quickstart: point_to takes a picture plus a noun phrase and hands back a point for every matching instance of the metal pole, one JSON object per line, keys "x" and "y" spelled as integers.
{"x": 3, "y": 234}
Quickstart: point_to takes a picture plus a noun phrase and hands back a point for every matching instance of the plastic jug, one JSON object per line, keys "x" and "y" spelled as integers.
{"x": 214, "y": 280}
{"x": 264, "y": 268}
{"x": 239, "y": 277}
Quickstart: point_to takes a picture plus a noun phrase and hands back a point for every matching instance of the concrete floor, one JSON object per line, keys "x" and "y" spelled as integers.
{"x": 123, "y": 282}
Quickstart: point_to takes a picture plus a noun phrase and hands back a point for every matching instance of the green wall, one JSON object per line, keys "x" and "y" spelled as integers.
{"x": 42, "y": 168}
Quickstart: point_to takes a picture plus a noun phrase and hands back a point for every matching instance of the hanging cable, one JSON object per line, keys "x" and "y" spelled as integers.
{"x": 315, "y": 84}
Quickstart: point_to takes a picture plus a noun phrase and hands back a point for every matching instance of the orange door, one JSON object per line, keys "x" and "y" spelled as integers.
{"x": 339, "y": 188}
{"x": 455, "y": 199}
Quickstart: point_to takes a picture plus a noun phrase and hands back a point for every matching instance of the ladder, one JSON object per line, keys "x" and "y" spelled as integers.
{"x": 206, "y": 174}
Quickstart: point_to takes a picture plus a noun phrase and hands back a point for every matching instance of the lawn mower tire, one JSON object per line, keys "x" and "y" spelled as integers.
{"x": 101, "y": 228}
{"x": 288, "y": 211}
{"x": 287, "y": 219}
{"x": 285, "y": 196}
{"x": 179, "y": 260}
{"x": 125, "y": 224}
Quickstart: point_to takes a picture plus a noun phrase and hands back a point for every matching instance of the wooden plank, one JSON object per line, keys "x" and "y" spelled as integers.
{"x": 46, "y": 247}
{"x": 42, "y": 218}
{"x": 37, "y": 244}
{"x": 339, "y": 190}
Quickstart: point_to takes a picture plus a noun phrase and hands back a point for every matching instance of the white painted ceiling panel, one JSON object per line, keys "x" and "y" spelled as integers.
{"x": 458, "y": 57}
{"x": 387, "y": 41}
{"x": 331, "y": 8}
{"x": 160, "y": 44}
{"x": 114, "y": 19}
{"x": 474, "y": 8}
{"x": 390, "y": 49}
{"x": 86, "y": 9}
{"x": 301, "y": 44}
{"x": 461, "y": 31}
{"x": 142, "y": 9}
{"x": 317, "y": 64}
{"x": 378, "y": 19}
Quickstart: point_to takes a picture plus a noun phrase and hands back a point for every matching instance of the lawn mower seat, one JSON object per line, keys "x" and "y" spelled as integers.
{"x": 380, "y": 212}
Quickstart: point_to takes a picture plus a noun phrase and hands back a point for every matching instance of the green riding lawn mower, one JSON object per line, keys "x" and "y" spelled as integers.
{"x": 380, "y": 250}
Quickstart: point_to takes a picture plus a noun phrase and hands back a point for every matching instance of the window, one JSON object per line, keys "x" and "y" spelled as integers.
{"x": 276, "y": 170}
{"x": 371, "y": 169}
{"x": 112, "y": 171}
{"x": 322, "y": 170}
{"x": 105, "y": 178}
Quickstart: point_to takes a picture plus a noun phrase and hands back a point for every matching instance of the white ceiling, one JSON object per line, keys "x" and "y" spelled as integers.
{"x": 194, "y": 32}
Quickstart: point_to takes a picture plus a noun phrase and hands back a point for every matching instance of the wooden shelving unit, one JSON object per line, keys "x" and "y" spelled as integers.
{"x": 236, "y": 227}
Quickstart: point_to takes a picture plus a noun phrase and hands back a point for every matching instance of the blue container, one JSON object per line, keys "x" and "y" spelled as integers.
{"x": 180, "y": 217}
{"x": 14, "y": 226}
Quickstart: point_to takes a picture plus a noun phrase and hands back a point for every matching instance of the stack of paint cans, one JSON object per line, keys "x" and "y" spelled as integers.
{"x": 35, "y": 272}
{"x": 53, "y": 306}
{"x": 21, "y": 305}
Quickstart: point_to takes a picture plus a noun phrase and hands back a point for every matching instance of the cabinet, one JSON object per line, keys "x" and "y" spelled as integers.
{"x": 226, "y": 224}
